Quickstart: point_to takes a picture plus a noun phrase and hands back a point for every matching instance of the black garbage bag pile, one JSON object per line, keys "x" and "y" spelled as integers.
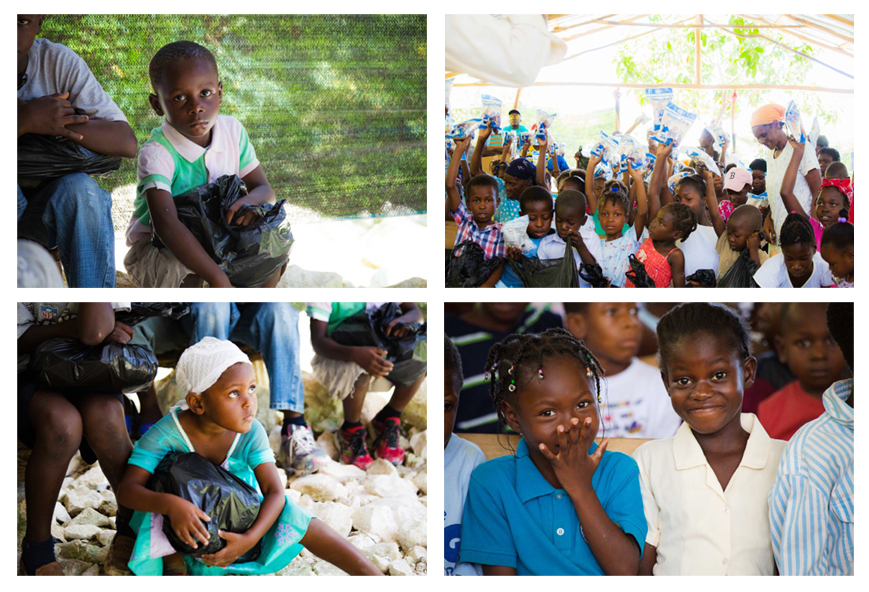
{"x": 369, "y": 329}
{"x": 638, "y": 274}
{"x": 593, "y": 274}
{"x": 547, "y": 273}
{"x": 703, "y": 277}
{"x": 249, "y": 255}
{"x": 51, "y": 157}
{"x": 232, "y": 504}
{"x": 68, "y": 364}
{"x": 741, "y": 273}
{"x": 139, "y": 311}
{"x": 467, "y": 266}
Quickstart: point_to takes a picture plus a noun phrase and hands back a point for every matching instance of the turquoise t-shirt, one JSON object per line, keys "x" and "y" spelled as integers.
{"x": 514, "y": 518}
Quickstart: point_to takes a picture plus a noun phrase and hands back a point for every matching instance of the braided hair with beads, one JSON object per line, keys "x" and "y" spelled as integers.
{"x": 518, "y": 359}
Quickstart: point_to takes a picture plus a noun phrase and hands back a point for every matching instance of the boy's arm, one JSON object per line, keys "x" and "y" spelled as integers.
{"x": 657, "y": 181}
{"x": 650, "y": 558}
{"x": 258, "y": 192}
{"x": 179, "y": 239}
{"x": 541, "y": 164}
{"x": 712, "y": 204}
{"x": 94, "y": 323}
{"x": 792, "y": 204}
{"x": 328, "y": 545}
{"x": 369, "y": 358}
{"x": 578, "y": 243}
{"x": 476, "y": 166}
{"x": 753, "y": 245}
{"x": 237, "y": 544}
{"x": 591, "y": 196}
{"x": 453, "y": 197}
{"x": 642, "y": 205}
{"x": 493, "y": 279}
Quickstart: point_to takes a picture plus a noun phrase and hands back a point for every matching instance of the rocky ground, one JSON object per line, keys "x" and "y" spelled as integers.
{"x": 381, "y": 511}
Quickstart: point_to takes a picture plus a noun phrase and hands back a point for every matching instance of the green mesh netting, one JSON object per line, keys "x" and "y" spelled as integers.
{"x": 334, "y": 104}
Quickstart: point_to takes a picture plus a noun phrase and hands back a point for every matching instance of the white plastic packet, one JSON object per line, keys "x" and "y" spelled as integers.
{"x": 675, "y": 123}
{"x": 515, "y": 233}
{"x": 632, "y": 150}
{"x": 719, "y": 136}
{"x": 641, "y": 119}
{"x": 700, "y": 159}
{"x": 602, "y": 170}
{"x": 492, "y": 112}
{"x": 815, "y": 132}
{"x": 658, "y": 97}
{"x": 794, "y": 123}
{"x": 465, "y": 129}
{"x": 448, "y": 89}
{"x": 676, "y": 177}
{"x": 544, "y": 123}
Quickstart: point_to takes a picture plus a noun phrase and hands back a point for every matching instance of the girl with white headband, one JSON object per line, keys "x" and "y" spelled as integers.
{"x": 217, "y": 420}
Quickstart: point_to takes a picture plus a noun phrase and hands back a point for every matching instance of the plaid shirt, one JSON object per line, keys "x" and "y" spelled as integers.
{"x": 489, "y": 238}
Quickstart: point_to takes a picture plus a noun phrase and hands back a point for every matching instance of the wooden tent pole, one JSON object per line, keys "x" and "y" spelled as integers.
{"x": 822, "y": 28}
{"x": 608, "y": 26}
{"x": 516, "y": 100}
{"x": 807, "y": 39}
{"x": 698, "y": 19}
{"x": 847, "y": 91}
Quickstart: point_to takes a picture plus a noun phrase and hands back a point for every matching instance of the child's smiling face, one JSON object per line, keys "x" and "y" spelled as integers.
{"x": 540, "y": 406}
{"x": 705, "y": 378}
{"x": 231, "y": 401}
{"x": 828, "y": 205}
{"x": 189, "y": 94}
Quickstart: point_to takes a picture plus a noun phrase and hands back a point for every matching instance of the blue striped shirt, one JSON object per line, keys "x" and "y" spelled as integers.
{"x": 811, "y": 505}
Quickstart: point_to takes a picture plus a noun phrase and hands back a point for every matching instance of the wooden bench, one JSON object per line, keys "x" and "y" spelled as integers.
{"x": 495, "y": 445}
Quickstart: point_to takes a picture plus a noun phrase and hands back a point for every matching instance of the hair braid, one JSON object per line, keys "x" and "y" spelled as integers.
{"x": 693, "y": 318}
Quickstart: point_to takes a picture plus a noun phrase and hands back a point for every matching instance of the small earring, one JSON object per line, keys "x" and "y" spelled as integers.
{"x": 512, "y": 387}
{"x": 540, "y": 373}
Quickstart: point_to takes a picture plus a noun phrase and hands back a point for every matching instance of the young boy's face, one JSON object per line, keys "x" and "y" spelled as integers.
{"x": 738, "y": 233}
{"x": 28, "y": 28}
{"x": 841, "y": 262}
{"x": 481, "y": 202}
{"x": 758, "y": 181}
{"x": 738, "y": 198}
{"x": 612, "y": 331}
{"x": 568, "y": 220}
{"x": 824, "y": 160}
{"x": 808, "y": 349}
{"x": 539, "y": 219}
{"x": 451, "y": 403}
{"x": 189, "y": 94}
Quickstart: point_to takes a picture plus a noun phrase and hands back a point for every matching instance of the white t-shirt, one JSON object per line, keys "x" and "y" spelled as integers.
{"x": 774, "y": 273}
{"x": 460, "y": 459}
{"x": 775, "y": 174}
{"x": 699, "y": 250}
{"x": 552, "y": 247}
{"x": 54, "y": 68}
{"x": 636, "y": 404}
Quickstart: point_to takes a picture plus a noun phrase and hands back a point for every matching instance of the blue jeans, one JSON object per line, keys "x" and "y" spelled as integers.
{"x": 271, "y": 328}
{"x": 75, "y": 215}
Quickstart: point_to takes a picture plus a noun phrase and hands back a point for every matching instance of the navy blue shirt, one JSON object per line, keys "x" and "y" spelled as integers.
{"x": 514, "y": 518}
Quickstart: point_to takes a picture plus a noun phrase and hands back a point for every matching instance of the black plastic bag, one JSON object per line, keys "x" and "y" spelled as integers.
{"x": 704, "y": 277}
{"x": 139, "y": 311}
{"x": 249, "y": 255}
{"x": 467, "y": 266}
{"x": 593, "y": 274}
{"x": 68, "y": 364}
{"x": 51, "y": 157}
{"x": 741, "y": 273}
{"x": 638, "y": 274}
{"x": 547, "y": 273}
{"x": 369, "y": 329}
{"x": 232, "y": 504}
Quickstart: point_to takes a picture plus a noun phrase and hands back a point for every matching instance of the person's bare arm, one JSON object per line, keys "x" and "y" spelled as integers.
{"x": 453, "y": 197}
{"x": 642, "y": 205}
{"x": 753, "y": 246}
{"x": 112, "y": 138}
{"x": 813, "y": 178}
{"x": 789, "y": 198}
{"x": 712, "y": 204}
{"x": 476, "y": 167}
{"x": 658, "y": 180}
{"x": 179, "y": 239}
{"x": 328, "y": 545}
{"x": 369, "y": 358}
{"x": 676, "y": 259}
{"x": 650, "y": 558}
{"x": 94, "y": 323}
{"x": 498, "y": 570}
{"x": 577, "y": 242}
{"x": 541, "y": 164}
{"x": 590, "y": 195}
{"x": 258, "y": 192}
{"x": 493, "y": 279}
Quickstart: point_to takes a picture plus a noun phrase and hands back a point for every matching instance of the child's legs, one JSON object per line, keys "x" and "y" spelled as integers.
{"x": 272, "y": 328}
{"x": 209, "y": 319}
{"x": 58, "y": 429}
{"x": 102, "y": 418}
{"x": 353, "y": 403}
{"x": 402, "y": 395}
{"x": 78, "y": 219}
{"x": 275, "y": 277}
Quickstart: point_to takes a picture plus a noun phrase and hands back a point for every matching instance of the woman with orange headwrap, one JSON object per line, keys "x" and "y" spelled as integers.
{"x": 767, "y": 126}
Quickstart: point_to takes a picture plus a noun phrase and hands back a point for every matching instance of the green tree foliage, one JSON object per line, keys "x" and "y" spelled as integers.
{"x": 334, "y": 104}
{"x": 668, "y": 57}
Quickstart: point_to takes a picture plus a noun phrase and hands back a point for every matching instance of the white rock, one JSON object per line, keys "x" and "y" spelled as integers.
{"x": 109, "y": 507}
{"x": 421, "y": 481}
{"x": 89, "y": 516}
{"x": 77, "y": 499}
{"x": 400, "y": 567}
{"x": 417, "y": 554}
{"x": 412, "y": 534}
{"x": 105, "y": 537}
{"x": 296, "y": 277}
{"x": 300, "y": 566}
{"x": 381, "y": 467}
{"x": 421, "y": 568}
{"x": 93, "y": 570}
{"x": 389, "y": 486}
{"x": 94, "y": 479}
{"x": 338, "y": 516}
{"x": 382, "y": 555}
{"x": 81, "y": 531}
{"x": 418, "y": 443}
{"x": 57, "y": 532}
{"x": 275, "y": 441}
{"x": 320, "y": 487}
{"x": 326, "y": 441}
{"x": 361, "y": 541}
{"x": 73, "y": 567}
{"x": 377, "y": 521}
{"x": 293, "y": 495}
{"x": 324, "y": 568}
{"x": 342, "y": 473}
{"x": 282, "y": 476}
{"x": 60, "y": 513}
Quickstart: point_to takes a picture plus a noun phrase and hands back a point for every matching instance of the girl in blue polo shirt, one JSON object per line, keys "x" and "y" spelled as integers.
{"x": 562, "y": 505}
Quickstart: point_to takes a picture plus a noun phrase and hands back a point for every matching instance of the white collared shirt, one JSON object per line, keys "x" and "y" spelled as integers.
{"x": 698, "y": 528}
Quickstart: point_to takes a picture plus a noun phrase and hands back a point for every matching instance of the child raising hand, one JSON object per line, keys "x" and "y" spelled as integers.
{"x": 562, "y": 505}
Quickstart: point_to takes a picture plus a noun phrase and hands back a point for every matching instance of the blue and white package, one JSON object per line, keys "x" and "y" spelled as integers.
{"x": 719, "y": 136}
{"x": 701, "y": 159}
{"x": 632, "y": 150}
{"x": 610, "y": 154}
{"x": 544, "y": 123}
{"x": 524, "y": 138}
{"x": 815, "y": 132}
{"x": 760, "y": 197}
{"x": 795, "y": 125}
{"x": 675, "y": 123}
{"x": 602, "y": 170}
{"x": 492, "y": 112}
{"x": 658, "y": 97}
{"x": 465, "y": 129}
{"x": 515, "y": 233}
{"x": 676, "y": 177}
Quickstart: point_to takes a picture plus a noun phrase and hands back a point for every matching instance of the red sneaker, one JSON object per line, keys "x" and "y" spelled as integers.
{"x": 388, "y": 444}
{"x": 353, "y": 448}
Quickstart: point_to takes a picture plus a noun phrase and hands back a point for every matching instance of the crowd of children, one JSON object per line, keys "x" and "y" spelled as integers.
{"x": 216, "y": 420}
{"x": 676, "y": 217}
{"x": 723, "y": 493}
